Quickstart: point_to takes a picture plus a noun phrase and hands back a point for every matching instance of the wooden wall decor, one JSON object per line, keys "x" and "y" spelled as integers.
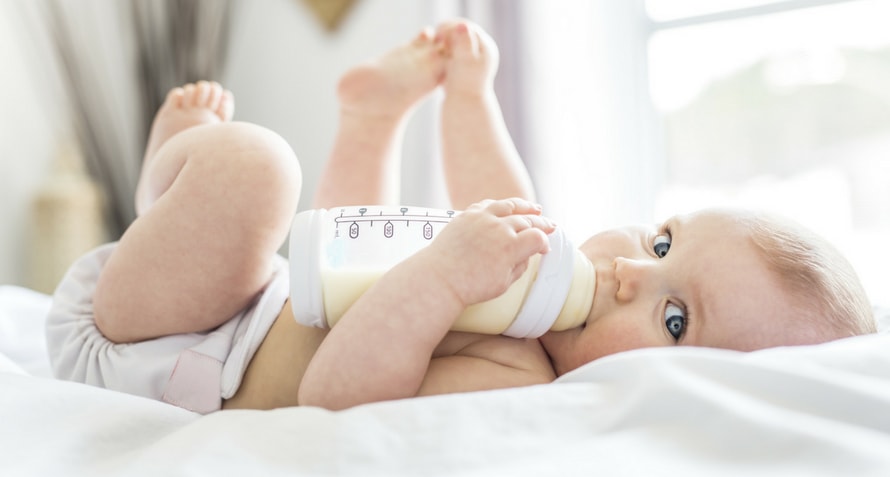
{"x": 330, "y": 12}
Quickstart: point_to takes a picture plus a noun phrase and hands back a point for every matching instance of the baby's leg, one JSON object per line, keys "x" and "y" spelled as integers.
{"x": 479, "y": 158}
{"x": 214, "y": 202}
{"x": 375, "y": 101}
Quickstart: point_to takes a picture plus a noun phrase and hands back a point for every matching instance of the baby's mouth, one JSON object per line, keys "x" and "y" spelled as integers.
{"x": 604, "y": 292}
{"x": 597, "y": 294}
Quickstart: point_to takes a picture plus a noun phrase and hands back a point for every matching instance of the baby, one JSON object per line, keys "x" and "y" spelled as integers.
{"x": 191, "y": 305}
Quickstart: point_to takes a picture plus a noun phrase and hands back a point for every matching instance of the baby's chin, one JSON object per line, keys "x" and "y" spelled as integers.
{"x": 558, "y": 345}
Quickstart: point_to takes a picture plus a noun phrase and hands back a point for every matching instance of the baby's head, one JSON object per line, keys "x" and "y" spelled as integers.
{"x": 718, "y": 278}
{"x": 832, "y": 301}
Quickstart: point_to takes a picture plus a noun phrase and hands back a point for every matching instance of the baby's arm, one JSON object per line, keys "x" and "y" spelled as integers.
{"x": 382, "y": 347}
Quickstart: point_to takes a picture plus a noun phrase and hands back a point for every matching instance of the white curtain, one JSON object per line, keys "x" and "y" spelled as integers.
{"x": 573, "y": 85}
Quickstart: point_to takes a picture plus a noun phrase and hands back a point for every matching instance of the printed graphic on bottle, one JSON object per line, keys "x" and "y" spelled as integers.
{"x": 363, "y": 243}
{"x": 427, "y": 231}
{"x": 353, "y": 230}
{"x": 393, "y": 223}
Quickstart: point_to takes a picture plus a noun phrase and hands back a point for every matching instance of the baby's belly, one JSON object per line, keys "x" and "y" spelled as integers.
{"x": 273, "y": 376}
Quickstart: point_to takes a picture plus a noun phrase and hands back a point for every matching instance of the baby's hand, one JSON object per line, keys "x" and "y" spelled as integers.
{"x": 487, "y": 247}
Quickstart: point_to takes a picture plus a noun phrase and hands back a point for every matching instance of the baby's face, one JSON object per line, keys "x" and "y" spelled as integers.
{"x": 696, "y": 280}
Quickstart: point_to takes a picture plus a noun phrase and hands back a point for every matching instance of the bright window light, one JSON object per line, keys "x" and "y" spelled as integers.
{"x": 786, "y": 111}
{"x": 683, "y": 61}
{"x": 667, "y": 10}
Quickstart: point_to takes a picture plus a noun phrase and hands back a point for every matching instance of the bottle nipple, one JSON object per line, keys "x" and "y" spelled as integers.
{"x": 580, "y": 298}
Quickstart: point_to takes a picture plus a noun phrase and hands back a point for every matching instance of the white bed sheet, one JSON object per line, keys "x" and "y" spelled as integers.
{"x": 818, "y": 410}
{"x": 22, "y": 318}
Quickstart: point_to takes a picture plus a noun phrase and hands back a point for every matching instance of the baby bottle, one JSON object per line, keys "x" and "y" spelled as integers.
{"x": 337, "y": 254}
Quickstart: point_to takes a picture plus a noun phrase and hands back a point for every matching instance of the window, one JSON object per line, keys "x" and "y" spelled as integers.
{"x": 781, "y": 105}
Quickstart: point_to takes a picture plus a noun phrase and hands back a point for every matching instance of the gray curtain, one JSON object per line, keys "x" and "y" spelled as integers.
{"x": 502, "y": 20}
{"x": 507, "y": 31}
{"x": 175, "y": 41}
{"x": 178, "y": 41}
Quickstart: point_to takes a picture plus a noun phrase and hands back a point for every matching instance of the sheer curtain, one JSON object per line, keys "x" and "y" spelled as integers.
{"x": 573, "y": 86}
{"x": 92, "y": 85}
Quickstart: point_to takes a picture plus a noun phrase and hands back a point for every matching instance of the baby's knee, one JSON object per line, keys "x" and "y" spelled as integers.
{"x": 243, "y": 164}
{"x": 263, "y": 149}
{"x": 250, "y": 155}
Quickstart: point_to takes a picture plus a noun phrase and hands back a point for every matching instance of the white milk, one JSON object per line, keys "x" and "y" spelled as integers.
{"x": 336, "y": 255}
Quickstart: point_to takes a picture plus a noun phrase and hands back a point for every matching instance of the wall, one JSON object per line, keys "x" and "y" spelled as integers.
{"x": 283, "y": 71}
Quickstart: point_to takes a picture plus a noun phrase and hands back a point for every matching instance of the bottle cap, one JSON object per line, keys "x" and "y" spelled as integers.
{"x": 549, "y": 290}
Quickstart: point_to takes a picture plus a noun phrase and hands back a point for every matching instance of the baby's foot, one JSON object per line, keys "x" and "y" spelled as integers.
{"x": 188, "y": 106}
{"x": 390, "y": 85}
{"x": 472, "y": 57}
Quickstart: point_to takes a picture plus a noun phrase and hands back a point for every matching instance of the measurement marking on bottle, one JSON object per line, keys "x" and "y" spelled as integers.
{"x": 428, "y": 231}
{"x": 390, "y": 220}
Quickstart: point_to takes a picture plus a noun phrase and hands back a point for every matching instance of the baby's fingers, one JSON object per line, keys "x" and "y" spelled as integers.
{"x": 531, "y": 241}
{"x": 522, "y": 222}
{"x": 505, "y": 207}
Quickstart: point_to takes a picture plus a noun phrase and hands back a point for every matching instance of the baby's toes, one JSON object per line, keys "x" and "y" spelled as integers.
{"x": 175, "y": 97}
{"x": 487, "y": 47}
{"x": 225, "y": 109}
{"x": 189, "y": 93}
{"x": 464, "y": 44}
{"x": 203, "y": 93}
{"x": 426, "y": 36}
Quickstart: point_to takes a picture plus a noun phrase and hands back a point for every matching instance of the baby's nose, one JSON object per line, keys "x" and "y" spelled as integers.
{"x": 634, "y": 277}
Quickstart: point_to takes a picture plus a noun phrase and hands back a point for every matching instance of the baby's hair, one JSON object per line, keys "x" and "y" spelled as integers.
{"x": 816, "y": 274}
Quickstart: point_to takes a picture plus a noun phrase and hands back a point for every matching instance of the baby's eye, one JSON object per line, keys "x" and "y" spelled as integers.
{"x": 661, "y": 245}
{"x": 675, "y": 320}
